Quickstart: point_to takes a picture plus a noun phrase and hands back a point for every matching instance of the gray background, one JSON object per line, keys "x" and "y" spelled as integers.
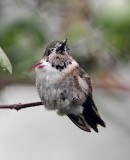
{"x": 36, "y": 134}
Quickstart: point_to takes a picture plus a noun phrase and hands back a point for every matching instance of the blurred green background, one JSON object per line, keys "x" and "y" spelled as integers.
{"x": 98, "y": 34}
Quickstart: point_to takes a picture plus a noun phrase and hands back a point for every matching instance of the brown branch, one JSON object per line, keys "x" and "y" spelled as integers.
{"x": 112, "y": 87}
{"x": 109, "y": 81}
{"x": 27, "y": 105}
{"x": 20, "y": 106}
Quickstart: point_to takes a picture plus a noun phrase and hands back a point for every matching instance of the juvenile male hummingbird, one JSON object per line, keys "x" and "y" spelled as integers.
{"x": 65, "y": 87}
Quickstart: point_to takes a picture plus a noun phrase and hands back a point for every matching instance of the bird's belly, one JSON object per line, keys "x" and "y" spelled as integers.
{"x": 59, "y": 96}
{"x": 53, "y": 99}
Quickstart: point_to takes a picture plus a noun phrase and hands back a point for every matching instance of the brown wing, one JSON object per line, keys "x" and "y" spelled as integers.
{"x": 90, "y": 117}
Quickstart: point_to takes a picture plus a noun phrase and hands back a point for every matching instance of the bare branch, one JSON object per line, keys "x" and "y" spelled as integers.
{"x": 107, "y": 81}
{"x": 20, "y": 106}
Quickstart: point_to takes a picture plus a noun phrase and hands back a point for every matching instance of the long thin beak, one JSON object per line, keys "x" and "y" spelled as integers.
{"x": 62, "y": 47}
{"x": 36, "y": 65}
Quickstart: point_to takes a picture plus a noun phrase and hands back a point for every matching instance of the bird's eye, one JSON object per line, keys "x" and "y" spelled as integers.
{"x": 48, "y": 52}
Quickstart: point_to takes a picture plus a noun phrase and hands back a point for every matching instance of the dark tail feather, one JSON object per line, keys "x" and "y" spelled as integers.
{"x": 90, "y": 117}
{"x": 80, "y": 122}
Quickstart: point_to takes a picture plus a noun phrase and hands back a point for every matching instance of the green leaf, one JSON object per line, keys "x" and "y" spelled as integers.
{"x": 4, "y": 61}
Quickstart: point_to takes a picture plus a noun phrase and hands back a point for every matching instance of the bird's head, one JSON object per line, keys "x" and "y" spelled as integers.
{"x": 57, "y": 47}
{"x": 57, "y": 55}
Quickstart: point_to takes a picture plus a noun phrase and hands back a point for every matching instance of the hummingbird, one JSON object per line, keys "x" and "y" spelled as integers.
{"x": 65, "y": 87}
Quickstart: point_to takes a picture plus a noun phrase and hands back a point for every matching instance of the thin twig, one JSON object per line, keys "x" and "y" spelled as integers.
{"x": 20, "y": 106}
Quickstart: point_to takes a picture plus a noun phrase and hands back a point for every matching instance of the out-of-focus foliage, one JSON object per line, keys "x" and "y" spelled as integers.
{"x": 95, "y": 35}
{"x": 4, "y": 62}
{"x": 115, "y": 22}
{"x": 21, "y": 38}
